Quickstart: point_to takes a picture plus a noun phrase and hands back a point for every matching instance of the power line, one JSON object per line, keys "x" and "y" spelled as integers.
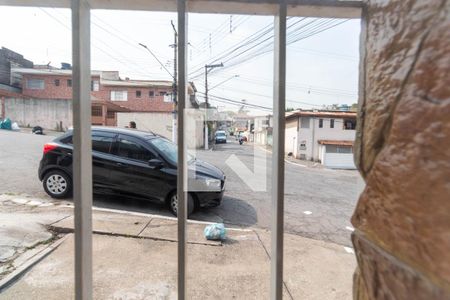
{"x": 157, "y": 59}
{"x": 93, "y": 45}
{"x": 323, "y": 53}
{"x": 268, "y": 47}
{"x": 249, "y": 39}
{"x": 133, "y": 42}
{"x": 255, "y": 37}
{"x": 270, "y": 97}
{"x": 237, "y": 102}
{"x": 293, "y": 36}
{"x": 221, "y": 35}
{"x": 304, "y": 88}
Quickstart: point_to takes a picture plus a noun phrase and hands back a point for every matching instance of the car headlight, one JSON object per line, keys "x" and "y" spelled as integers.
{"x": 204, "y": 184}
{"x": 214, "y": 183}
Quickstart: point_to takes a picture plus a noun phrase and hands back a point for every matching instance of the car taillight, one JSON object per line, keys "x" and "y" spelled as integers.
{"x": 49, "y": 147}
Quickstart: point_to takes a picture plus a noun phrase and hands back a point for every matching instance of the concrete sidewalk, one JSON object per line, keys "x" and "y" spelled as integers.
{"x": 135, "y": 257}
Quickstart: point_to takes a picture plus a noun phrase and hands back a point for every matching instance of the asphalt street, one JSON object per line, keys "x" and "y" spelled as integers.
{"x": 318, "y": 202}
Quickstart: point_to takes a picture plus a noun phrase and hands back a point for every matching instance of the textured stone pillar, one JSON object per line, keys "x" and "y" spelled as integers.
{"x": 402, "y": 220}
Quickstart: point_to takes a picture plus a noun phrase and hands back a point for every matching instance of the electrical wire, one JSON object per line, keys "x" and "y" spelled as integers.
{"x": 96, "y": 46}
{"x": 266, "y": 45}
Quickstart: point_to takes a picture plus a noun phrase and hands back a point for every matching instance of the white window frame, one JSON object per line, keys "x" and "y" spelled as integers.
{"x": 95, "y": 85}
{"x": 123, "y": 97}
{"x": 82, "y": 150}
{"x": 167, "y": 98}
{"x": 35, "y": 87}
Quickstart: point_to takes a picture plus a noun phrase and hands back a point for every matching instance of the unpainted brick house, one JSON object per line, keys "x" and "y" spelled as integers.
{"x": 110, "y": 94}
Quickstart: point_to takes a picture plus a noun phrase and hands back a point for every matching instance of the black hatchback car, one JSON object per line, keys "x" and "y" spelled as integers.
{"x": 132, "y": 163}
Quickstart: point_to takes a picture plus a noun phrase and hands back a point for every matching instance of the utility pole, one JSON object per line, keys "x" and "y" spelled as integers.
{"x": 207, "y": 69}
{"x": 174, "y": 85}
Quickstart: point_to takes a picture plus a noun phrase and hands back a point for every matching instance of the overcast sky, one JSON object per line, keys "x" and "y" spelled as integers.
{"x": 322, "y": 68}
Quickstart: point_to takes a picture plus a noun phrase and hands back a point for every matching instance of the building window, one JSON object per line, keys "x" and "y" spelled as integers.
{"x": 138, "y": 94}
{"x": 304, "y": 122}
{"x": 119, "y": 96}
{"x": 111, "y": 115}
{"x": 151, "y": 94}
{"x": 320, "y": 123}
{"x": 331, "y": 123}
{"x": 69, "y": 82}
{"x": 349, "y": 124}
{"x": 166, "y": 97}
{"x": 35, "y": 84}
{"x": 96, "y": 111}
{"x": 95, "y": 85}
{"x": 56, "y": 82}
{"x": 338, "y": 149}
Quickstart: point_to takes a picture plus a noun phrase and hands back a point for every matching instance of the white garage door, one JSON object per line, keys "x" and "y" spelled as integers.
{"x": 339, "y": 161}
{"x": 338, "y": 157}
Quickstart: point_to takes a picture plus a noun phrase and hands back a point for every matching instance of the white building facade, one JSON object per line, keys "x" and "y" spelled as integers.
{"x": 262, "y": 130}
{"x": 323, "y": 136}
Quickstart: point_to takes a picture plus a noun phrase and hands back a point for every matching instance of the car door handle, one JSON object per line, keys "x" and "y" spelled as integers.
{"x": 120, "y": 164}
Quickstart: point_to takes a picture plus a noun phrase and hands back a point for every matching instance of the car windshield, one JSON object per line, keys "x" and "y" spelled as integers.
{"x": 220, "y": 133}
{"x": 169, "y": 150}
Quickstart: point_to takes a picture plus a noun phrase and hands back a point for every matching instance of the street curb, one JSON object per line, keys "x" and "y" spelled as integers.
{"x": 65, "y": 230}
{"x": 20, "y": 271}
{"x": 141, "y": 214}
{"x": 287, "y": 161}
{"x": 160, "y": 217}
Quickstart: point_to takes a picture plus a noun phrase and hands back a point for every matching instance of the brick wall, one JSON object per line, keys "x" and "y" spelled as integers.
{"x": 50, "y": 91}
{"x": 145, "y": 103}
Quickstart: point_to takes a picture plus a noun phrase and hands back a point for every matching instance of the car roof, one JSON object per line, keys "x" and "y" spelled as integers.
{"x": 127, "y": 131}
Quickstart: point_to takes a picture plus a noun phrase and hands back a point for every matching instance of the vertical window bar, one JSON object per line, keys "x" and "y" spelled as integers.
{"x": 182, "y": 155}
{"x": 279, "y": 95}
{"x": 82, "y": 157}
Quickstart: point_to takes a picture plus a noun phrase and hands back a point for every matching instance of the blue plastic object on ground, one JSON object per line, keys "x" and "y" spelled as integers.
{"x": 5, "y": 124}
{"x": 215, "y": 232}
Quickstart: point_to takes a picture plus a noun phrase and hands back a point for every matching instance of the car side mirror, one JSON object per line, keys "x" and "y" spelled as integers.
{"x": 155, "y": 163}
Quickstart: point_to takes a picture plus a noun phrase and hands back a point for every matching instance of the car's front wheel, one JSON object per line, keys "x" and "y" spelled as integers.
{"x": 57, "y": 184}
{"x": 173, "y": 204}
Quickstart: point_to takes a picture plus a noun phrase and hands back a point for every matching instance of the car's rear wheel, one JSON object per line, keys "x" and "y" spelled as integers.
{"x": 57, "y": 184}
{"x": 173, "y": 204}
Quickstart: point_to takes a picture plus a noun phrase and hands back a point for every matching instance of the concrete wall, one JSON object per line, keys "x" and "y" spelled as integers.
{"x": 291, "y": 135}
{"x": 161, "y": 123}
{"x": 402, "y": 219}
{"x": 261, "y": 137}
{"x": 45, "y": 113}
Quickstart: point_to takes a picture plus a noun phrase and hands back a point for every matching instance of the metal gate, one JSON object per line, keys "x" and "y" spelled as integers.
{"x": 82, "y": 172}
